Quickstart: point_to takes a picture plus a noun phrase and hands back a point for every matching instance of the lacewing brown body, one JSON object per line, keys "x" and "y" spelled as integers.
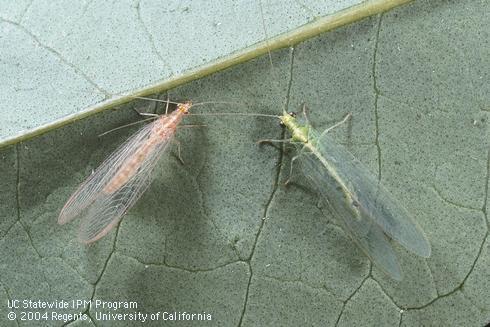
{"x": 121, "y": 179}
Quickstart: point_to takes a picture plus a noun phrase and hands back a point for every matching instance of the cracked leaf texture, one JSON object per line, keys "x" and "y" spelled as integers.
{"x": 221, "y": 234}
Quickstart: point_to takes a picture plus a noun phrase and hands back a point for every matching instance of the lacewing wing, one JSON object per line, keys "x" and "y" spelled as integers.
{"x": 364, "y": 208}
{"x": 121, "y": 179}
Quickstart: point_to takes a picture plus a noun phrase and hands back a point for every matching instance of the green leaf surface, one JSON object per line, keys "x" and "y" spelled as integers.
{"x": 221, "y": 234}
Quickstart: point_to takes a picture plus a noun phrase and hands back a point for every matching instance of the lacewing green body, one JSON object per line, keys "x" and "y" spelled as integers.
{"x": 364, "y": 208}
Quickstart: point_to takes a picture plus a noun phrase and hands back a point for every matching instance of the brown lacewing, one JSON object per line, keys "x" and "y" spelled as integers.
{"x": 121, "y": 179}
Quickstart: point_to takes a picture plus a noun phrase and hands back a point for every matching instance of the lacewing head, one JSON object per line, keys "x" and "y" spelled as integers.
{"x": 184, "y": 107}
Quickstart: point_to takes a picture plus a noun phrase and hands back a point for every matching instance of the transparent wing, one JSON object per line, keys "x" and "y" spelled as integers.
{"x": 371, "y": 200}
{"x": 108, "y": 208}
{"x": 365, "y": 232}
{"x": 91, "y": 188}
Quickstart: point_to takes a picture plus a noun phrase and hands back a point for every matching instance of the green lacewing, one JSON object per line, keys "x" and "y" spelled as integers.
{"x": 363, "y": 207}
